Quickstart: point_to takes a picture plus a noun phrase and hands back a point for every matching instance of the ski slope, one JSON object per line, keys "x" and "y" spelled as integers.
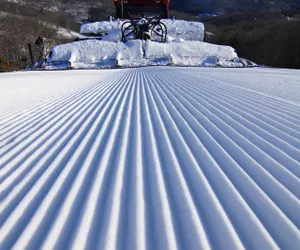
{"x": 150, "y": 158}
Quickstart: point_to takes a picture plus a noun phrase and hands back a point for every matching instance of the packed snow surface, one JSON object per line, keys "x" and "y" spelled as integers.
{"x": 95, "y": 53}
{"x": 177, "y": 30}
{"x": 150, "y": 158}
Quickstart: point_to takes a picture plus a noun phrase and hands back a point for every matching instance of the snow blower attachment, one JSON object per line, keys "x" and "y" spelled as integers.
{"x": 144, "y": 29}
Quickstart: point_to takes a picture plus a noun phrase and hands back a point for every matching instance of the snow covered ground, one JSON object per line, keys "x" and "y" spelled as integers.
{"x": 150, "y": 158}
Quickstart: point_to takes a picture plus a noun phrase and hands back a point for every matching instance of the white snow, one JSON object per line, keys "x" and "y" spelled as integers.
{"x": 95, "y": 53}
{"x": 150, "y": 158}
{"x": 184, "y": 47}
{"x": 186, "y": 30}
{"x": 100, "y": 27}
{"x": 178, "y": 30}
{"x": 192, "y": 53}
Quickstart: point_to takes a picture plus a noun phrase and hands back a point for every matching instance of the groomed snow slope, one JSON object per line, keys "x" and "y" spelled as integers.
{"x": 150, "y": 158}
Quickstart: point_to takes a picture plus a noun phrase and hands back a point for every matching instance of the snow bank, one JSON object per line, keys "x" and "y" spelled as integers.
{"x": 191, "y": 53}
{"x": 188, "y": 31}
{"x": 95, "y": 53}
{"x": 100, "y": 27}
{"x": 177, "y": 30}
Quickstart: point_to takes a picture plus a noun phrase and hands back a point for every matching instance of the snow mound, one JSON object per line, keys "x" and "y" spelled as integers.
{"x": 184, "y": 47}
{"x": 94, "y": 53}
{"x": 189, "y": 31}
{"x": 100, "y": 27}
{"x": 192, "y": 53}
{"x": 135, "y": 53}
{"x": 178, "y": 30}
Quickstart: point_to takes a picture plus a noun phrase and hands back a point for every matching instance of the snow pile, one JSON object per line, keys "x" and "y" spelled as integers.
{"x": 100, "y": 27}
{"x": 177, "y": 30}
{"x": 183, "y": 30}
{"x": 95, "y": 53}
{"x": 184, "y": 47}
{"x": 110, "y": 30}
{"x": 193, "y": 53}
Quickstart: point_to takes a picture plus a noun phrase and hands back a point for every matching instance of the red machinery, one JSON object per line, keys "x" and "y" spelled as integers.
{"x": 125, "y": 8}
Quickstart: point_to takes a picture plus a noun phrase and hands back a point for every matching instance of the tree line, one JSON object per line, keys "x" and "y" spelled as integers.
{"x": 267, "y": 42}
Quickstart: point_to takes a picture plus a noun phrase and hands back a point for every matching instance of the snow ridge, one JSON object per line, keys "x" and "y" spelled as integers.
{"x": 150, "y": 158}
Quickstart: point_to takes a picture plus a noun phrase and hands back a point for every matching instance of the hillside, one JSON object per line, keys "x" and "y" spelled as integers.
{"x": 267, "y": 38}
{"x": 78, "y": 9}
{"x": 22, "y": 23}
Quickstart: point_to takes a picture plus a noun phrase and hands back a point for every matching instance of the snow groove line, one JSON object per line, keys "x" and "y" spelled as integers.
{"x": 284, "y": 141}
{"x": 265, "y": 241}
{"x": 265, "y": 102}
{"x": 260, "y": 112}
{"x": 36, "y": 106}
{"x": 258, "y": 95}
{"x": 43, "y": 112}
{"x": 163, "y": 225}
{"x": 108, "y": 185}
{"x": 281, "y": 107}
{"x": 135, "y": 203}
{"x": 289, "y": 179}
{"x": 288, "y": 223}
{"x": 70, "y": 101}
{"x": 156, "y": 158}
{"x": 52, "y": 119}
{"x": 188, "y": 218}
{"x": 84, "y": 230}
{"x": 201, "y": 158}
{"x": 59, "y": 182}
{"x": 286, "y": 160}
{"x": 139, "y": 176}
{"x": 112, "y": 221}
{"x": 260, "y": 109}
{"x": 257, "y": 104}
{"x": 13, "y": 112}
{"x": 19, "y": 117}
{"x": 39, "y": 138}
{"x": 69, "y": 106}
{"x": 78, "y": 156}
{"x": 273, "y": 89}
{"x": 292, "y": 211}
{"x": 62, "y": 139}
{"x": 59, "y": 230}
